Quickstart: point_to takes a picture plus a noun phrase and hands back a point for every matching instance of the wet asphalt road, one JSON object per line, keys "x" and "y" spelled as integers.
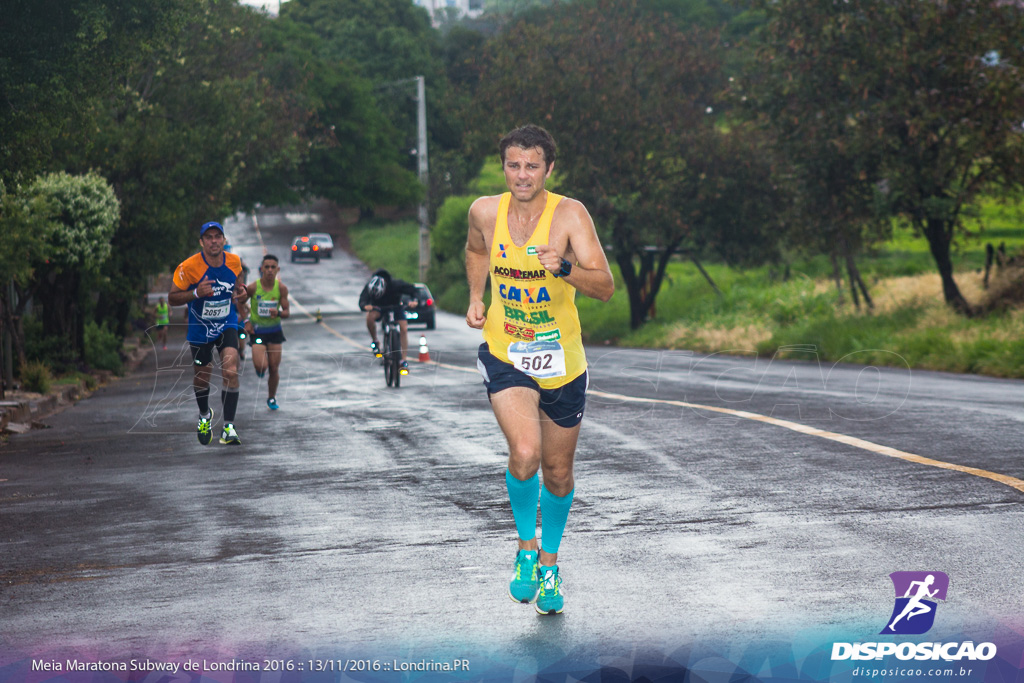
{"x": 360, "y": 521}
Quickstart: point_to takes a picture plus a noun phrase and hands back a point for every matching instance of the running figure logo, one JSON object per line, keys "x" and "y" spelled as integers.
{"x": 917, "y": 594}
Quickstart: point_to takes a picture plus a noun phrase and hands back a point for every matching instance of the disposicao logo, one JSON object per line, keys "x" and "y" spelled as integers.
{"x": 502, "y": 249}
{"x": 917, "y": 596}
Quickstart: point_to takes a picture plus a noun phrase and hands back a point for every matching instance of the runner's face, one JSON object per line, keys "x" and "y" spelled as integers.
{"x": 525, "y": 172}
{"x": 212, "y": 243}
{"x": 269, "y": 269}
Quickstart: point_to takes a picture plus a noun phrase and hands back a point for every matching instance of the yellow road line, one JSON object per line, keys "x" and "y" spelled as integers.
{"x": 327, "y": 327}
{"x": 1012, "y": 482}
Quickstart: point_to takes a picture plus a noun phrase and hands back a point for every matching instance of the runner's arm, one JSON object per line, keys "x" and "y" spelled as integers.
{"x": 285, "y": 310}
{"x": 477, "y": 265}
{"x": 178, "y": 296}
{"x": 240, "y": 293}
{"x": 590, "y": 273}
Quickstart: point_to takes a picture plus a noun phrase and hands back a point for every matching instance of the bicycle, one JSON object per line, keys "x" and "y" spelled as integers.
{"x": 391, "y": 345}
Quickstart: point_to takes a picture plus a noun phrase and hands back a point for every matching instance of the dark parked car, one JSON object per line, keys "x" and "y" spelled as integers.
{"x": 424, "y": 311}
{"x": 303, "y": 247}
{"x": 324, "y": 241}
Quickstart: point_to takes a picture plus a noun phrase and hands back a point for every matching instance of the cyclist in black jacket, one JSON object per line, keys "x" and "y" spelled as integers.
{"x": 383, "y": 290}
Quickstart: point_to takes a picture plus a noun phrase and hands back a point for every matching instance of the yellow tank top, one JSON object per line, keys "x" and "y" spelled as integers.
{"x": 532, "y": 322}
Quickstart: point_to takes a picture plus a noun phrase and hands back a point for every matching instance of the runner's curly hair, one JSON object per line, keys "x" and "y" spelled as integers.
{"x": 528, "y": 137}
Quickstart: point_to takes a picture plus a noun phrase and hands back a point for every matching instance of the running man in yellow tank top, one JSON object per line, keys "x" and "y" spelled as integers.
{"x": 537, "y": 250}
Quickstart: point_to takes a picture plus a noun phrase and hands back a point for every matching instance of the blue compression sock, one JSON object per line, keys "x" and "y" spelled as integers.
{"x": 523, "y": 496}
{"x": 554, "y": 511}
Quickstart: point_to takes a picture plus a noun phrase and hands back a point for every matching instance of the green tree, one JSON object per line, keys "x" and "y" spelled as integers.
{"x": 55, "y": 55}
{"x": 85, "y": 214}
{"x": 353, "y": 158}
{"x": 630, "y": 98}
{"x": 388, "y": 42}
{"x": 26, "y": 221}
{"x": 193, "y": 130}
{"x": 918, "y": 104}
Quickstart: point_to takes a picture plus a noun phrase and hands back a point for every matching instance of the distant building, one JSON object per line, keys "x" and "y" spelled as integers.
{"x": 439, "y": 9}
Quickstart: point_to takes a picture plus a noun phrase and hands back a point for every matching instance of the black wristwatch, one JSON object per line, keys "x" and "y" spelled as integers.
{"x": 566, "y": 269}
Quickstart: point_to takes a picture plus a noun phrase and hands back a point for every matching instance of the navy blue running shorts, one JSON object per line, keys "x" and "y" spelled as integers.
{"x": 202, "y": 354}
{"x": 564, "y": 405}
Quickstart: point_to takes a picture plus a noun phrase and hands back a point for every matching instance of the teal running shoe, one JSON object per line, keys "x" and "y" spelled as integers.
{"x": 551, "y": 598}
{"x": 523, "y": 586}
{"x": 204, "y": 430}
{"x": 272, "y": 403}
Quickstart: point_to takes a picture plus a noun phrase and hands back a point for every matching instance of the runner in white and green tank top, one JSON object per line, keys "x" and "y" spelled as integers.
{"x": 264, "y": 305}
{"x": 163, "y": 319}
{"x": 268, "y": 305}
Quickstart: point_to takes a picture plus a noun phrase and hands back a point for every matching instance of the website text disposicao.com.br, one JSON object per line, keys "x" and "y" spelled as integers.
{"x": 952, "y": 655}
{"x": 904, "y": 672}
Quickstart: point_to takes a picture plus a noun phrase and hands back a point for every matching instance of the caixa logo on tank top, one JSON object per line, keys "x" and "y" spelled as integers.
{"x": 526, "y": 295}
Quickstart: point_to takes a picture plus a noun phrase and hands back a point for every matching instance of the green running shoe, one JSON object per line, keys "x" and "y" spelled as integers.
{"x": 523, "y": 586}
{"x": 230, "y": 436}
{"x": 551, "y": 598}
{"x": 204, "y": 430}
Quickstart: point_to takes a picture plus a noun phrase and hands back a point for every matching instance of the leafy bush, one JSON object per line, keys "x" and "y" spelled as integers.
{"x": 52, "y": 351}
{"x": 448, "y": 249}
{"x": 102, "y": 348}
{"x": 35, "y": 376}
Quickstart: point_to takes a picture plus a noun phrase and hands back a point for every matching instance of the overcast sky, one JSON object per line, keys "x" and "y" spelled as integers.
{"x": 271, "y": 5}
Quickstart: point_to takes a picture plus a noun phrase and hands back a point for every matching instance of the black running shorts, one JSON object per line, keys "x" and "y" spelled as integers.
{"x": 275, "y": 337}
{"x": 202, "y": 354}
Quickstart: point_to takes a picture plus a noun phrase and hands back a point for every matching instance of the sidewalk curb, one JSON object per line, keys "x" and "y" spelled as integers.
{"x": 24, "y": 415}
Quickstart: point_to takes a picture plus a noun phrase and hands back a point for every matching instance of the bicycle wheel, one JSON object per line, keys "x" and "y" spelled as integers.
{"x": 396, "y": 356}
{"x": 390, "y": 374}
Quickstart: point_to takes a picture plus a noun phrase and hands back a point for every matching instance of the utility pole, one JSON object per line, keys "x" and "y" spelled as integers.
{"x": 5, "y": 343}
{"x": 422, "y": 167}
{"x": 424, "y": 175}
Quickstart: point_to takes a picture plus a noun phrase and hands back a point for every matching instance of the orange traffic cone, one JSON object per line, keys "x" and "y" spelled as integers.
{"x": 424, "y": 351}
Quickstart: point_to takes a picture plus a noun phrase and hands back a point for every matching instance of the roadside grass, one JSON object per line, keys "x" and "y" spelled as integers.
{"x": 490, "y": 181}
{"x": 910, "y": 325}
{"x": 392, "y": 246}
{"x": 761, "y": 314}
